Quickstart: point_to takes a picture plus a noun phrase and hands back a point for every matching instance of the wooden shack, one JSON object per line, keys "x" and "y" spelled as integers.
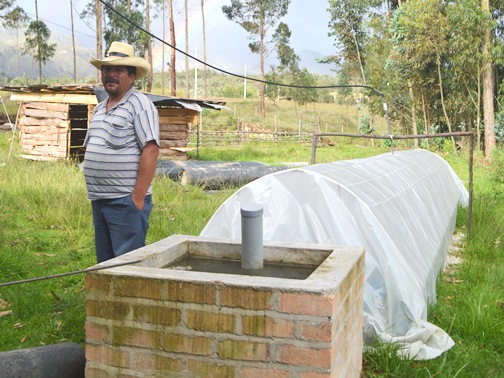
{"x": 53, "y": 120}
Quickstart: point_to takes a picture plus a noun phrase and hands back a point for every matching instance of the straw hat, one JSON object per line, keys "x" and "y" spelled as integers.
{"x": 122, "y": 54}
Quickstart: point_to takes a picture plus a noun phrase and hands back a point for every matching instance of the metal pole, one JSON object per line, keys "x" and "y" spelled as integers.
{"x": 469, "y": 211}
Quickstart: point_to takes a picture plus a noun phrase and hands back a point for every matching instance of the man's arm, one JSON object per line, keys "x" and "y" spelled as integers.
{"x": 146, "y": 172}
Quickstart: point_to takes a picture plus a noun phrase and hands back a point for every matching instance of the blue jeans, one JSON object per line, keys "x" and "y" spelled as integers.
{"x": 119, "y": 226}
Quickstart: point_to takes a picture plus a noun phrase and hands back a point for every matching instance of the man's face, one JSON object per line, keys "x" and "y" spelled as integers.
{"x": 116, "y": 80}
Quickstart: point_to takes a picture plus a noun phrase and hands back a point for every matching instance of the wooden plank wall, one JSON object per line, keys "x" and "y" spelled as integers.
{"x": 44, "y": 129}
{"x": 174, "y": 131}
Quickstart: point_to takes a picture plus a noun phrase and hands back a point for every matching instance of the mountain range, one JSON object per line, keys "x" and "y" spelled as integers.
{"x": 13, "y": 63}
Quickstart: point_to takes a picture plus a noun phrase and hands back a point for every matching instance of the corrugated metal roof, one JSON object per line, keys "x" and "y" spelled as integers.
{"x": 159, "y": 100}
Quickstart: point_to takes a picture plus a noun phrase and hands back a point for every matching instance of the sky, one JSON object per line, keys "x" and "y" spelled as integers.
{"x": 227, "y": 42}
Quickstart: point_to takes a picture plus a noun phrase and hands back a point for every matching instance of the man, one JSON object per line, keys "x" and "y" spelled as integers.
{"x": 122, "y": 146}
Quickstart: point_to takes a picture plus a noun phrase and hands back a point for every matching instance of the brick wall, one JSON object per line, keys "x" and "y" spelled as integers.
{"x": 148, "y": 327}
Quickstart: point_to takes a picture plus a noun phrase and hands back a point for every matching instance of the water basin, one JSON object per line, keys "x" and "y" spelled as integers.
{"x": 227, "y": 266}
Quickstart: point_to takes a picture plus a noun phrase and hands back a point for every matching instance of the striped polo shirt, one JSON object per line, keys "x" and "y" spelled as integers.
{"x": 114, "y": 144}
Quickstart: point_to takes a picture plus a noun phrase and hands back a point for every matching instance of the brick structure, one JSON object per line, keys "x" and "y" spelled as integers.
{"x": 146, "y": 321}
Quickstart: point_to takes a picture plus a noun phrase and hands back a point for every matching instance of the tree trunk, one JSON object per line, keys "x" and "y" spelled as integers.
{"x": 38, "y": 46}
{"x": 163, "y": 54}
{"x": 149, "y": 46}
{"x": 447, "y": 119}
{"x": 17, "y": 51}
{"x": 73, "y": 44}
{"x": 128, "y": 9}
{"x": 488, "y": 88}
{"x": 204, "y": 50}
{"x": 426, "y": 123}
{"x": 187, "y": 49}
{"x": 99, "y": 34}
{"x": 261, "y": 63}
{"x": 478, "y": 119}
{"x": 359, "y": 58}
{"x": 173, "y": 72}
{"x": 413, "y": 112}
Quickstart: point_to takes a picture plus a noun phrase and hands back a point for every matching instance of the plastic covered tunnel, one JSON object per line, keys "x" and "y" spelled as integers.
{"x": 400, "y": 206}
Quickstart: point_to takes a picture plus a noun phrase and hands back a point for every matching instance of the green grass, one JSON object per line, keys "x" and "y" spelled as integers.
{"x": 47, "y": 229}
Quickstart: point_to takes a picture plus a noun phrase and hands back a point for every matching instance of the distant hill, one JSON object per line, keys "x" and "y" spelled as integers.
{"x": 13, "y": 64}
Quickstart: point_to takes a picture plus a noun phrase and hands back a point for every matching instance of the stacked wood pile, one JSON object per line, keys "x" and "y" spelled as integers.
{"x": 174, "y": 131}
{"x": 44, "y": 129}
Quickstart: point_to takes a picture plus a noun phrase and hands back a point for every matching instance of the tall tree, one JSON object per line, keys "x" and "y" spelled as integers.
{"x": 94, "y": 10}
{"x": 5, "y": 5}
{"x": 488, "y": 86}
{"x": 163, "y": 51}
{"x": 36, "y": 42}
{"x": 288, "y": 70}
{"x": 204, "y": 49}
{"x": 149, "y": 45}
{"x": 14, "y": 18}
{"x": 99, "y": 33}
{"x": 421, "y": 32}
{"x": 73, "y": 44}
{"x": 119, "y": 19}
{"x": 347, "y": 26}
{"x": 256, "y": 17}
{"x": 173, "y": 71}
{"x": 117, "y": 22}
{"x": 186, "y": 12}
{"x": 468, "y": 23}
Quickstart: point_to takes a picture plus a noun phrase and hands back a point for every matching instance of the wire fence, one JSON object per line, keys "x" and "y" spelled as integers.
{"x": 244, "y": 134}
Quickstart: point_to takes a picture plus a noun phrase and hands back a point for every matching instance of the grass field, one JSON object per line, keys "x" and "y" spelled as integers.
{"x": 47, "y": 229}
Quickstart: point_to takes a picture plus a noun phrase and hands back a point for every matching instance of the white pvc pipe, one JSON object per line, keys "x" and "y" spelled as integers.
{"x": 252, "y": 236}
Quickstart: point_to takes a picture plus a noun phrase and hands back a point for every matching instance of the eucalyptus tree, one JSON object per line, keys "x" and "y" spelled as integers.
{"x": 468, "y": 22}
{"x": 421, "y": 38}
{"x": 37, "y": 42}
{"x": 288, "y": 63}
{"x": 173, "y": 72}
{"x": 118, "y": 20}
{"x": 289, "y": 70}
{"x": 305, "y": 95}
{"x": 186, "y": 14}
{"x": 149, "y": 45}
{"x": 204, "y": 49}
{"x": 347, "y": 26}
{"x": 488, "y": 86}
{"x": 73, "y": 43}
{"x": 6, "y": 5}
{"x": 257, "y": 17}
{"x": 14, "y": 18}
{"x": 359, "y": 28}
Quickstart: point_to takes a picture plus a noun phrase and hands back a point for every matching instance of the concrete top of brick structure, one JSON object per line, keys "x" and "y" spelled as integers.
{"x": 331, "y": 263}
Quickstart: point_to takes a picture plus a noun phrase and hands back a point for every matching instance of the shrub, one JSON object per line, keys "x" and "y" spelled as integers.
{"x": 364, "y": 126}
{"x": 498, "y": 164}
{"x": 499, "y": 127}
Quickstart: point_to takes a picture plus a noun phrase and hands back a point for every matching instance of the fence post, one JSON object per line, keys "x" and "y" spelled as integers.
{"x": 300, "y": 126}
{"x": 314, "y": 148}
{"x": 275, "y": 135}
{"x": 240, "y": 129}
{"x": 200, "y": 129}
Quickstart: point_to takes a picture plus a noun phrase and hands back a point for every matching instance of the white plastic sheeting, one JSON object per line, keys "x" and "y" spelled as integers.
{"x": 400, "y": 206}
